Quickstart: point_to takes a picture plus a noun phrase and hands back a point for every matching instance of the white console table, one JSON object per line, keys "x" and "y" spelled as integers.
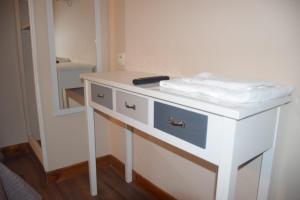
{"x": 225, "y": 136}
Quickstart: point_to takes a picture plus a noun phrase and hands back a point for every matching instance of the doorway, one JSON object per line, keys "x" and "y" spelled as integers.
{"x": 27, "y": 76}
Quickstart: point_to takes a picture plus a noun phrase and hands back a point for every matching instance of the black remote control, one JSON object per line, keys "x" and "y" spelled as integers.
{"x": 150, "y": 79}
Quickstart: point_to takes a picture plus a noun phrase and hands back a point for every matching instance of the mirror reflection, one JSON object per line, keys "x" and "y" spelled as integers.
{"x": 74, "y": 34}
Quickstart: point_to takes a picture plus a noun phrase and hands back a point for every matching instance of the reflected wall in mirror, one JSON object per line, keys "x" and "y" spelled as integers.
{"x": 74, "y": 37}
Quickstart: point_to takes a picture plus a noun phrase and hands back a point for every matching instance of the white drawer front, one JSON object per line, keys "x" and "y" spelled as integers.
{"x": 133, "y": 106}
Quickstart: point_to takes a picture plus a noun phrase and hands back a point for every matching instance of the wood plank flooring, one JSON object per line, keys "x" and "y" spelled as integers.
{"x": 110, "y": 185}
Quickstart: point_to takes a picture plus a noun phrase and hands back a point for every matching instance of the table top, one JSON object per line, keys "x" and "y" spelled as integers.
{"x": 74, "y": 66}
{"x": 123, "y": 80}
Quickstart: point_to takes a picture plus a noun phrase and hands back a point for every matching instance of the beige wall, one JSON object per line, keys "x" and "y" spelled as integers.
{"x": 247, "y": 39}
{"x": 105, "y": 37}
{"x": 75, "y": 30}
{"x": 243, "y": 39}
{"x": 12, "y": 121}
{"x": 116, "y": 31}
{"x": 66, "y": 136}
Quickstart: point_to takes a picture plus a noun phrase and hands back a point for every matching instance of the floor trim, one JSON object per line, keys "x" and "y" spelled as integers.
{"x": 21, "y": 149}
{"x": 36, "y": 148}
{"x": 74, "y": 170}
{"x": 15, "y": 150}
{"x": 139, "y": 180}
{"x": 119, "y": 167}
{"x": 62, "y": 174}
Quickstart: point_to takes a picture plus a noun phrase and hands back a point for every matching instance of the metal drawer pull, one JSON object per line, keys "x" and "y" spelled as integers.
{"x": 100, "y": 95}
{"x": 129, "y": 106}
{"x": 174, "y": 122}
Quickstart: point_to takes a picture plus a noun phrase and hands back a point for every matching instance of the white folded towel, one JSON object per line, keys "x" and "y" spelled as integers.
{"x": 62, "y": 60}
{"x": 223, "y": 89}
{"x": 227, "y": 83}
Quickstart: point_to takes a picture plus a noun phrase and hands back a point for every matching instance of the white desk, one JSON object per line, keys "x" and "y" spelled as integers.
{"x": 68, "y": 76}
{"x": 225, "y": 136}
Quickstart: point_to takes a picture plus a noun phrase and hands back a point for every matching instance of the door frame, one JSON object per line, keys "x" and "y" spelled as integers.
{"x": 41, "y": 152}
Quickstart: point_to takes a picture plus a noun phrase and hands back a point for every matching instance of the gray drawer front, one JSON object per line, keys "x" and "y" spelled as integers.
{"x": 140, "y": 111}
{"x": 187, "y": 125}
{"x": 102, "y": 95}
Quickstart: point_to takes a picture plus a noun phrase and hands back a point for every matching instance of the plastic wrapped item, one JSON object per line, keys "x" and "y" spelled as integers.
{"x": 220, "y": 89}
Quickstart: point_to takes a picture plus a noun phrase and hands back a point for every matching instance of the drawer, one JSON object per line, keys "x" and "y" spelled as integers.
{"x": 102, "y": 95}
{"x": 184, "y": 124}
{"x": 133, "y": 106}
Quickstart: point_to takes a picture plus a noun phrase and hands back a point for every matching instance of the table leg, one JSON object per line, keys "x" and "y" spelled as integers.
{"x": 92, "y": 145}
{"x": 61, "y": 98}
{"x": 226, "y": 182}
{"x": 266, "y": 167}
{"x": 129, "y": 160}
{"x": 67, "y": 100}
{"x": 64, "y": 98}
{"x": 265, "y": 175}
{"x": 228, "y": 168}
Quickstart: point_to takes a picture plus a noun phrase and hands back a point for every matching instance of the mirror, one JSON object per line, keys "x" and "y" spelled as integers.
{"x": 73, "y": 48}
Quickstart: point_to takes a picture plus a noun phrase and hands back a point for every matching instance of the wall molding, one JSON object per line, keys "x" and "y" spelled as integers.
{"x": 65, "y": 173}
{"x": 15, "y": 150}
{"x": 118, "y": 167}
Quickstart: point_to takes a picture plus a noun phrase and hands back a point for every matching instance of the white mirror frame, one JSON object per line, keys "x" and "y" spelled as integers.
{"x": 50, "y": 21}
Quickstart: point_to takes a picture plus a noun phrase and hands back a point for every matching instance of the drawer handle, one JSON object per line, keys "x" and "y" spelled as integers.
{"x": 175, "y": 122}
{"x": 129, "y": 106}
{"x": 100, "y": 95}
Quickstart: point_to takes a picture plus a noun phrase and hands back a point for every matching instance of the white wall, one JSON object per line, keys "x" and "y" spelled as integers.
{"x": 116, "y": 31}
{"x": 75, "y": 30}
{"x": 12, "y": 121}
{"x": 243, "y": 39}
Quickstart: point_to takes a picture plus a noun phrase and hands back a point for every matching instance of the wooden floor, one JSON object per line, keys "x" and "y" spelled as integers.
{"x": 110, "y": 185}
